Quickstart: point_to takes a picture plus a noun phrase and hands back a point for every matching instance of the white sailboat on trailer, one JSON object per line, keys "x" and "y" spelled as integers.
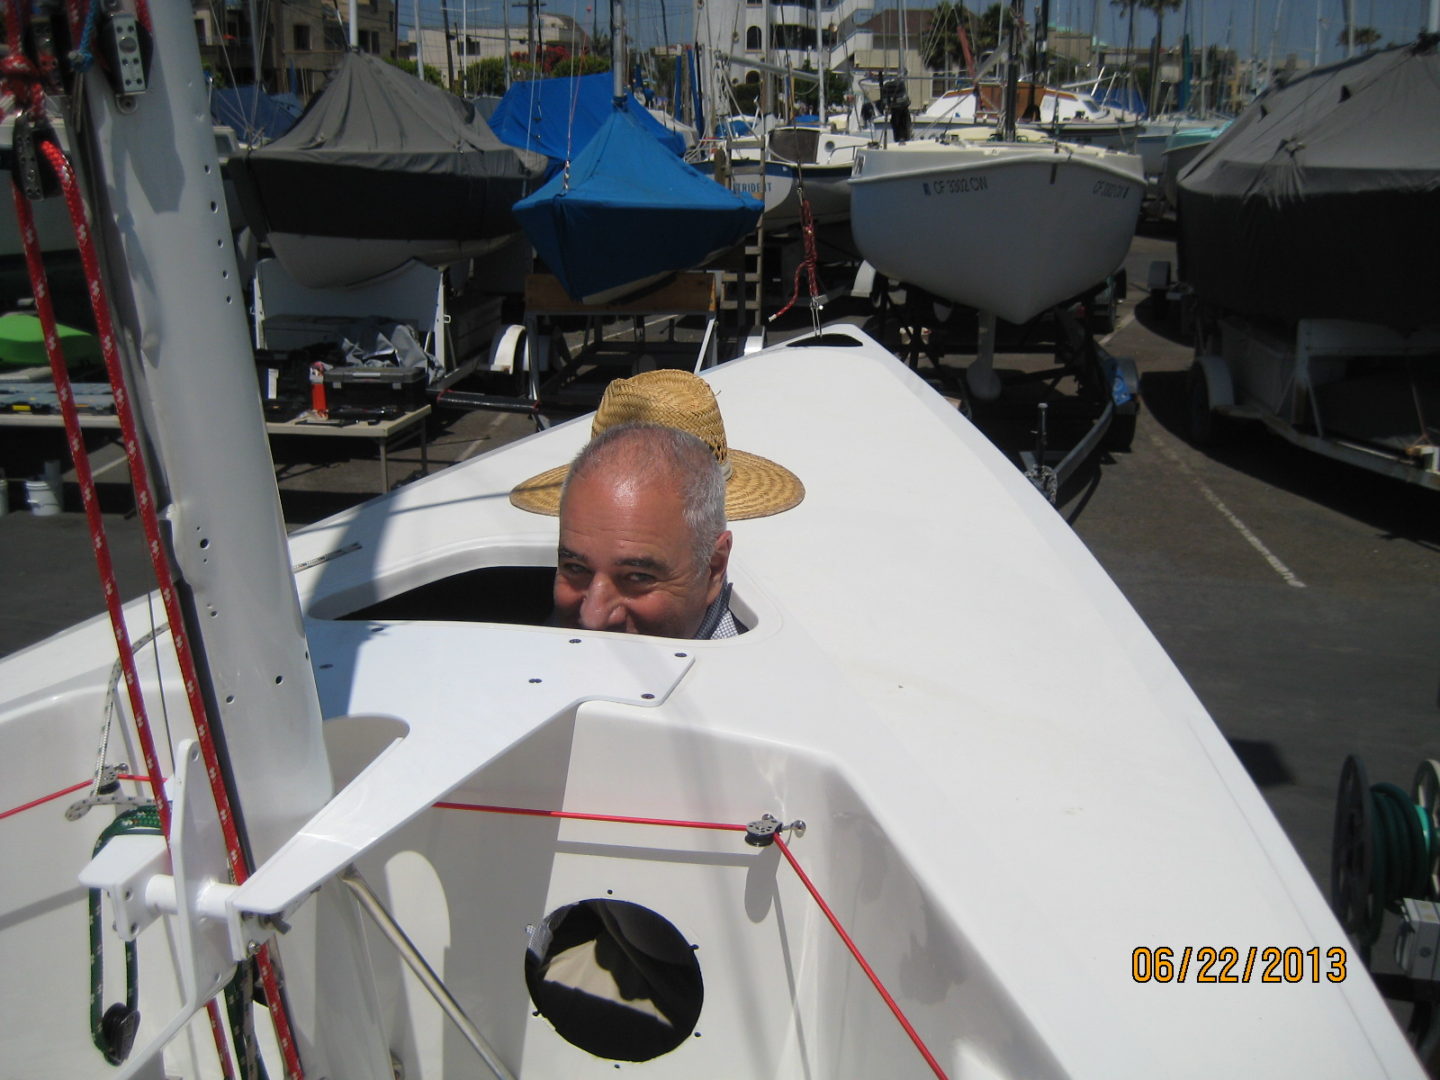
{"x": 1006, "y": 226}
{"x": 1010, "y": 845}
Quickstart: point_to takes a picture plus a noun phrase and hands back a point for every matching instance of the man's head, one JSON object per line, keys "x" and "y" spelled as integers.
{"x": 643, "y": 544}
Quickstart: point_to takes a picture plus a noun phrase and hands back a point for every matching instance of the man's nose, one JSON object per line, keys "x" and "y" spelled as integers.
{"x": 601, "y": 608}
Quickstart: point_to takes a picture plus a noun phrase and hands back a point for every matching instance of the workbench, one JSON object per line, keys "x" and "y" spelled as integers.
{"x": 382, "y": 432}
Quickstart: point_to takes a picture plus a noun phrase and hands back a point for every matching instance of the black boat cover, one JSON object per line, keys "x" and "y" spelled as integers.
{"x": 379, "y": 154}
{"x": 1322, "y": 200}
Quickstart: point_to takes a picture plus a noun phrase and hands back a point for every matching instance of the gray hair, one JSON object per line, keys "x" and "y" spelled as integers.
{"x": 652, "y": 452}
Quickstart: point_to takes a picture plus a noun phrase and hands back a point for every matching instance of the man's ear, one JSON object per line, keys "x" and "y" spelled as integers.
{"x": 719, "y": 561}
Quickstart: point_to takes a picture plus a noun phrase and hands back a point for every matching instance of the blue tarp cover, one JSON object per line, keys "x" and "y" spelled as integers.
{"x": 256, "y": 116}
{"x": 631, "y": 210}
{"x": 537, "y": 115}
{"x": 1122, "y": 97}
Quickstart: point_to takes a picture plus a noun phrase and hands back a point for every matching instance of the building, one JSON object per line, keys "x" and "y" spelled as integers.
{"x": 299, "y": 42}
{"x": 465, "y": 45}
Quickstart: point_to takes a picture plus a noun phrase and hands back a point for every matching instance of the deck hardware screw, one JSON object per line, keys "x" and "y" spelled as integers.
{"x": 682, "y": 655}
{"x": 574, "y": 641}
{"x": 647, "y": 697}
{"x": 534, "y": 680}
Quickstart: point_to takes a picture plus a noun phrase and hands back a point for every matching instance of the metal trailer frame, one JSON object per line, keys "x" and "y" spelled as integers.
{"x": 551, "y": 359}
{"x": 1110, "y": 382}
{"x": 1244, "y": 370}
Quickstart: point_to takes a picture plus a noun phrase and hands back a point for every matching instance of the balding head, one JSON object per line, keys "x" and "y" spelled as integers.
{"x": 643, "y": 544}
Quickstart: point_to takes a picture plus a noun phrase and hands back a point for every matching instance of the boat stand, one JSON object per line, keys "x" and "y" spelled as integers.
{"x": 565, "y": 354}
{"x": 1103, "y": 407}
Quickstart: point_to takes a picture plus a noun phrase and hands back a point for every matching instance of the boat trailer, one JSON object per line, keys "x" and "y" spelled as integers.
{"x": 1107, "y": 388}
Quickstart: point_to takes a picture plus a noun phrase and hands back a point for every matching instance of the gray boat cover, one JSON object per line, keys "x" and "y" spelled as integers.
{"x": 379, "y": 154}
{"x": 1322, "y": 200}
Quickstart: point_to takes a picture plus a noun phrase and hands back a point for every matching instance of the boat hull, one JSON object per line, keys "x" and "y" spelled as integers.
{"x": 1011, "y": 229}
{"x": 893, "y": 757}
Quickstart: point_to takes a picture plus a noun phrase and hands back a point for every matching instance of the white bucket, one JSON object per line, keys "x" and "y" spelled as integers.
{"x": 44, "y": 499}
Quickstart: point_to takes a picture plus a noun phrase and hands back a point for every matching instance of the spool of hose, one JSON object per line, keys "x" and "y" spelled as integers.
{"x": 1383, "y": 849}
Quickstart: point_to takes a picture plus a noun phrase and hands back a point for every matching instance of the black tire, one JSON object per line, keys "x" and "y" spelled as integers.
{"x": 1103, "y": 312}
{"x": 1121, "y": 432}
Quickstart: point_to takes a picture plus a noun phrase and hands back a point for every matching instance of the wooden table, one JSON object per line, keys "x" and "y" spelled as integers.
{"x": 381, "y": 432}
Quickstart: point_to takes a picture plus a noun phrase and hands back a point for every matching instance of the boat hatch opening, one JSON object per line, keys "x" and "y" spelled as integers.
{"x": 514, "y": 595}
{"x": 518, "y": 595}
{"x": 828, "y": 341}
{"x": 615, "y": 979}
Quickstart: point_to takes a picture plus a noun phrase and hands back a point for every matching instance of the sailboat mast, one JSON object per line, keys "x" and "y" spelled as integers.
{"x": 618, "y": 59}
{"x": 820, "y": 62}
{"x": 1012, "y": 74}
{"x": 158, "y": 207}
{"x": 256, "y": 40}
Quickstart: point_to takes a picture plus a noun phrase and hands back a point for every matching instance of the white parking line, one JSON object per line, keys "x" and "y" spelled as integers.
{"x": 1286, "y": 574}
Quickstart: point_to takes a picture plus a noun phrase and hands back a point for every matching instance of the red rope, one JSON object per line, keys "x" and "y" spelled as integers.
{"x": 875, "y": 980}
{"x": 809, "y": 263}
{"x": 46, "y": 311}
{"x": 526, "y": 812}
{"x": 145, "y": 503}
{"x": 860, "y": 959}
{"x": 222, "y": 1048}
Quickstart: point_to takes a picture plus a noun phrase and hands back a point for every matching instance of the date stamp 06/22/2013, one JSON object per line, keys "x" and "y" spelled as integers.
{"x": 1228, "y": 964}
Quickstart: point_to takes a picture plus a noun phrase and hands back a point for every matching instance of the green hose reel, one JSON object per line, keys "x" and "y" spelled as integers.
{"x": 1385, "y": 848}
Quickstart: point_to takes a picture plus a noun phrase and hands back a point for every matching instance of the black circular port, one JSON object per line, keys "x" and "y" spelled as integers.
{"x": 615, "y": 978}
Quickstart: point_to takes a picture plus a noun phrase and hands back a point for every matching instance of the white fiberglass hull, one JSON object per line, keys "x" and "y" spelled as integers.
{"x": 998, "y": 836}
{"x": 1007, "y": 228}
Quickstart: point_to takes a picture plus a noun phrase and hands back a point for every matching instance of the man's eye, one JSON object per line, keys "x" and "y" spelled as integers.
{"x": 638, "y": 578}
{"x": 573, "y": 569}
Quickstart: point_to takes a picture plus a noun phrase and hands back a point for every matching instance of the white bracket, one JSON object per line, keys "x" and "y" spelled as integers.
{"x": 529, "y": 679}
{"x": 208, "y": 940}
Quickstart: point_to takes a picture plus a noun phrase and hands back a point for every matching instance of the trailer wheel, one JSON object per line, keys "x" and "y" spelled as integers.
{"x": 1103, "y": 310}
{"x": 1121, "y": 432}
{"x": 1205, "y": 426}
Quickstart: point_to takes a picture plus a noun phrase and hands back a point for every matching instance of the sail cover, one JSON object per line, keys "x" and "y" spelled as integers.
{"x": 382, "y": 155}
{"x": 628, "y": 209}
{"x": 1322, "y": 200}
{"x": 559, "y": 117}
{"x": 256, "y": 116}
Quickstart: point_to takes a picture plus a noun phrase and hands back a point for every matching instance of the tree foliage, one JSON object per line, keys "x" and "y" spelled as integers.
{"x": 807, "y": 91}
{"x": 1365, "y": 36}
{"x": 486, "y": 76}
{"x": 940, "y": 46}
{"x": 432, "y": 73}
{"x": 556, "y": 62}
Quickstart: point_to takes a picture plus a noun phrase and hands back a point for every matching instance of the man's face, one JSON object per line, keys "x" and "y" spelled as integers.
{"x": 626, "y": 562}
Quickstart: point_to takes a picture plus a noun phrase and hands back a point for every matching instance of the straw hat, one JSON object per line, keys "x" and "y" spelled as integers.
{"x": 754, "y": 486}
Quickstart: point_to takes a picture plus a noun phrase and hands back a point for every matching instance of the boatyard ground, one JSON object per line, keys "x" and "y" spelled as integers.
{"x": 1299, "y": 597}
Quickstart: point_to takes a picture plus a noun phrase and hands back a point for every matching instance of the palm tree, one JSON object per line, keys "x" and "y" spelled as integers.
{"x": 1364, "y": 36}
{"x": 940, "y": 47}
{"x": 1159, "y": 7}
